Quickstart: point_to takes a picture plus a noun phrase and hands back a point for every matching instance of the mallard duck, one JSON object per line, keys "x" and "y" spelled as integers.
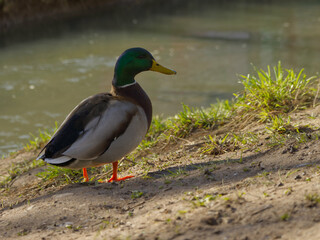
{"x": 107, "y": 126}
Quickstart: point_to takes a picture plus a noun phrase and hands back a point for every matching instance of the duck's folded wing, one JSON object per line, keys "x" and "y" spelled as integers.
{"x": 90, "y": 128}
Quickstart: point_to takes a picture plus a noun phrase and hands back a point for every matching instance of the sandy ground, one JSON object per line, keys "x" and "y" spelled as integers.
{"x": 261, "y": 193}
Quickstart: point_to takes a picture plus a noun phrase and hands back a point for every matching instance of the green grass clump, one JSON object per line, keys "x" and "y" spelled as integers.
{"x": 136, "y": 194}
{"x": 158, "y": 126}
{"x": 63, "y": 175}
{"x": 313, "y": 198}
{"x": 189, "y": 119}
{"x": 43, "y": 137}
{"x": 203, "y": 201}
{"x": 285, "y": 217}
{"x": 279, "y": 124}
{"x": 216, "y": 145}
{"x": 267, "y": 94}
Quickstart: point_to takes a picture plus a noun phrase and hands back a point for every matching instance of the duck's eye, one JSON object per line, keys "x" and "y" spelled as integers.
{"x": 142, "y": 56}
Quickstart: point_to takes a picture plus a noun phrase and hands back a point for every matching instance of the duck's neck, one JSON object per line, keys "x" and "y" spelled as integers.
{"x": 134, "y": 92}
{"x": 123, "y": 76}
{"x": 122, "y": 80}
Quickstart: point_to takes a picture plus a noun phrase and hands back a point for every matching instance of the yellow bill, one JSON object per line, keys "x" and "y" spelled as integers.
{"x": 158, "y": 68}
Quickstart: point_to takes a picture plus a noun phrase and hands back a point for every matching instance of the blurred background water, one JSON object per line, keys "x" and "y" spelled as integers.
{"x": 46, "y": 72}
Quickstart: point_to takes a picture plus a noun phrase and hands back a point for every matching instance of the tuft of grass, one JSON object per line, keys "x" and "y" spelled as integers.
{"x": 268, "y": 93}
{"x": 276, "y": 139}
{"x": 43, "y": 137}
{"x": 189, "y": 119}
{"x": 157, "y": 127}
{"x": 136, "y": 194}
{"x": 203, "y": 201}
{"x": 288, "y": 191}
{"x": 285, "y": 217}
{"x": 178, "y": 173}
{"x": 216, "y": 145}
{"x": 200, "y": 201}
{"x": 279, "y": 124}
{"x": 63, "y": 175}
{"x": 314, "y": 198}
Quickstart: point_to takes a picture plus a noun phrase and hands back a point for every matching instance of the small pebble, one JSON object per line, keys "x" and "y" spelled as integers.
{"x": 297, "y": 177}
{"x": 210, "y": 221}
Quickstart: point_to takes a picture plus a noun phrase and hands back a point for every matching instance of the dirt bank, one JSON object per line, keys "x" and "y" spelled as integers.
{"x": 262, "y": 192}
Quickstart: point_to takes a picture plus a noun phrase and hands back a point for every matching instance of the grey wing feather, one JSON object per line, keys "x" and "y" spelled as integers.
{"x": 88, "y": 130}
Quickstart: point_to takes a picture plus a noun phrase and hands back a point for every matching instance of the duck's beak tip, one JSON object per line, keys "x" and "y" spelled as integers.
{"x": 159, "y": 68}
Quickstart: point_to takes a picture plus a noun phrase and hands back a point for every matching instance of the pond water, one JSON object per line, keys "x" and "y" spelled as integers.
{"x": 41, "y": 80}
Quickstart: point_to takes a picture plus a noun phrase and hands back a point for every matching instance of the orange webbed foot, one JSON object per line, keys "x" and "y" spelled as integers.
{"x": 114, "y": 177}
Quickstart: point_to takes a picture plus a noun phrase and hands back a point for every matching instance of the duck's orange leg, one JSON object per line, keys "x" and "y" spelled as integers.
{"x": 85, "y": 175}
{"x": 115, "y": 174}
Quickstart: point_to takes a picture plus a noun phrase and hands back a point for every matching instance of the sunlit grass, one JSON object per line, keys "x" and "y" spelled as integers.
{"x": 64, "y": 175}
{"x": 269, "y": 93}
{"x": 190, "y": 119}
{"x": 216, "y": 145}
{"x": 279, "y": 124}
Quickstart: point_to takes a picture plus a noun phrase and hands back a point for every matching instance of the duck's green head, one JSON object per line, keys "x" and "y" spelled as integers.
{"x": 132, "y": 62}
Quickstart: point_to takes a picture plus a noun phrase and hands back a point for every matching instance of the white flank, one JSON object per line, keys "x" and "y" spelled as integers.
{"x": 128, "y": 141}
{"x": 99, "y": 131}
